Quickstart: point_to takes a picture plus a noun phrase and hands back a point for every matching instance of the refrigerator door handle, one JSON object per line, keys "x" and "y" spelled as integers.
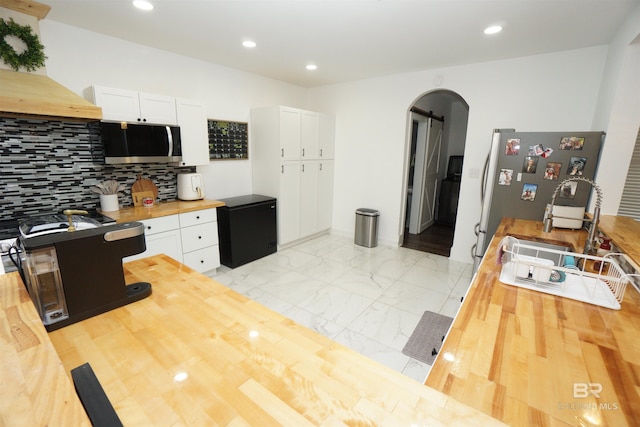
{"x": 489, "y": 173}
{"x": 485, "y": 196}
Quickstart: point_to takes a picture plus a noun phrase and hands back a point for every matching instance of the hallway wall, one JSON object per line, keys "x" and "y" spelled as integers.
{"x": 534, "y": 93}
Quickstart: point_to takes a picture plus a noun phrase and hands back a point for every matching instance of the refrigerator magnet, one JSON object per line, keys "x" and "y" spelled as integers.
{"x": 512, "y": 147}
{"x": 505, "y": 177}
{"x": 568, "y": 190}
{"x": 576, "y": 166}
{"x": 529, "y": 192}
{"x": 571, "y": 143}
{"x": 536, "y": 150}
{"x": 552, "y": 171}
{"x": 530, "y": 164}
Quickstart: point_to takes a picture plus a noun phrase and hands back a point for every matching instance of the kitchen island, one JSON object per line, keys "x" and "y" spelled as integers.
{"x": 533, "y": 359}
{"x": 197, "y": 353}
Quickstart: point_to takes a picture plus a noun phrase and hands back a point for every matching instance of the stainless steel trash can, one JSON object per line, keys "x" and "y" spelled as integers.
{"x": 366, "y": 227}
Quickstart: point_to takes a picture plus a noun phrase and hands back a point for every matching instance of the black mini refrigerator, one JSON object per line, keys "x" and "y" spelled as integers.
{"x": 247, "y": 229}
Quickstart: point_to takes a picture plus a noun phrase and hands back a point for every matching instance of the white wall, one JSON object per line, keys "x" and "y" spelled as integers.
{"x": 78, "y": 59}
{"x": 539, "y": 93}
{"x": 619, "y": 111}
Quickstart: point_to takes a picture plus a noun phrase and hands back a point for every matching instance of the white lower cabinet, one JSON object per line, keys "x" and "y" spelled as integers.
{"x": 289, "y": 203}
{"x": 199, "y": 231}
{"x": 308, "y": 198}
{"x": 162, "y": 236}
{"x": 325, "y": 194}
{"x": 190, "y": 238}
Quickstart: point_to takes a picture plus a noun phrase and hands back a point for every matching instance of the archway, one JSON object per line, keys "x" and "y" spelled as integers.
{"x": 436, "y": 137}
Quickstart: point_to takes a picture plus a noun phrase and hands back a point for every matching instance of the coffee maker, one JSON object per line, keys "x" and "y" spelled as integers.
{"x": 74, "y": 275}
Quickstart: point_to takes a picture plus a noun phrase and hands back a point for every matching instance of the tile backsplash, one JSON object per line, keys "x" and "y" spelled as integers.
{"x": 48, "y": 166}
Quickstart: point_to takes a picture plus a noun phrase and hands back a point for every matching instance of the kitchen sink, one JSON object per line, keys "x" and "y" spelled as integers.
{"x": 552, "y": 250}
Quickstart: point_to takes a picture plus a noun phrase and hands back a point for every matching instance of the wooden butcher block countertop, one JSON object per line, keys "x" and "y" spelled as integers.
{"x": 138, "y": 213}
{"x": 533, "y": 359}
{"x": 34, "y": 390}
{"x": 196, "y": 353}
{"x": 624, "y": 232}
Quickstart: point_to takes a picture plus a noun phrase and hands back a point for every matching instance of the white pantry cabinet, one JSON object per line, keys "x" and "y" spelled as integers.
{"x": 121, "y": 105}
{"x": 292, "y": 151}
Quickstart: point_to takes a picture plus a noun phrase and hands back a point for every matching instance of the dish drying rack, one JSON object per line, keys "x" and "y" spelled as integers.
{"x": 587, "y": 278}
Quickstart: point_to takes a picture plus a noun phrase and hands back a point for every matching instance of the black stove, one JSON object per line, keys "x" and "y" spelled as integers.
{"x": 58, "y": 222}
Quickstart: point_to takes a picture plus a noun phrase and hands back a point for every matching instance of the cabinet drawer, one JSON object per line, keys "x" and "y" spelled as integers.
{"x": 204, "y": 259}
{"x": 199, "y": 236}
{"x": 160, "y": 225}
{"x": 188, "y": 219}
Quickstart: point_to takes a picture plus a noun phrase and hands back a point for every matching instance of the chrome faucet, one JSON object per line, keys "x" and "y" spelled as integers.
{"x": 590, "y": 245}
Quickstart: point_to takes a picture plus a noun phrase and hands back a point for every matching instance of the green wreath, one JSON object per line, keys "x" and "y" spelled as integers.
{"x": 32, "y": 58}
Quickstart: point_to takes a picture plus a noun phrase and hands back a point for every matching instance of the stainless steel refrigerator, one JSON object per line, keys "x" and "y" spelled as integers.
{"x": 524, "y": 169}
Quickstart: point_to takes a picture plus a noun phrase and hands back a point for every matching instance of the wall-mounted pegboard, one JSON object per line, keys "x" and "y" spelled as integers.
{"x": 228, "y": 140}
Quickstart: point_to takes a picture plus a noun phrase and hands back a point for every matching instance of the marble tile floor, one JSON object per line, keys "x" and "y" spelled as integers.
{"x": 368, "y": 299}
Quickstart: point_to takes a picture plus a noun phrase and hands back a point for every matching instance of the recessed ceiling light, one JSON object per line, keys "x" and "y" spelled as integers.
{"x": 311, "y": 67}
{"x": 249, "y": 43}
{"x": 494, "y": 29}
{"x": 142, "y": 4}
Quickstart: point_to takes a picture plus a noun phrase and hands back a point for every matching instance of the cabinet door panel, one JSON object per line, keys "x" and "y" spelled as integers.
{"x": 308, "y": 198}
{"x": 289, "y": 203}
{"x": 168, "y": 243}
{"x": 325, "y": 194}
{"x": 192, "y": 119}
{"x": 289, "y": 134}
{"x": 117, "y": 104}
{"x": 326, "y": 136}
{"x": 158, "y": 109}
{"x": 309, "y": 135}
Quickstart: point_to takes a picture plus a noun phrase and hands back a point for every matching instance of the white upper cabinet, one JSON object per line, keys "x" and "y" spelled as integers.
{"x": 121, "y": 105}
{"x": 158, "y": 109}
{"x": 289, "y": 133}
{"x": 192, "y": 119}
{"x": 326, "y": 136}
{"x": 309, "y": 135}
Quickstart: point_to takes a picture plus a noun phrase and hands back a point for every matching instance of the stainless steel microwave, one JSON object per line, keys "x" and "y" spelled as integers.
{"x": 140, "y": 143}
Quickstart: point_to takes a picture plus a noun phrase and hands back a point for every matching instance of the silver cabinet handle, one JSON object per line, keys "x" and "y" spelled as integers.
{"x": 320, "y": 166}
{"x": 302, "y": 167}
{"x": 282, "y": 169}
{"x": 303, "y": 152}
{"x": 282, "y": 152}
{"x": 170, "y": 141}
{"x": 321, "y": 152}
